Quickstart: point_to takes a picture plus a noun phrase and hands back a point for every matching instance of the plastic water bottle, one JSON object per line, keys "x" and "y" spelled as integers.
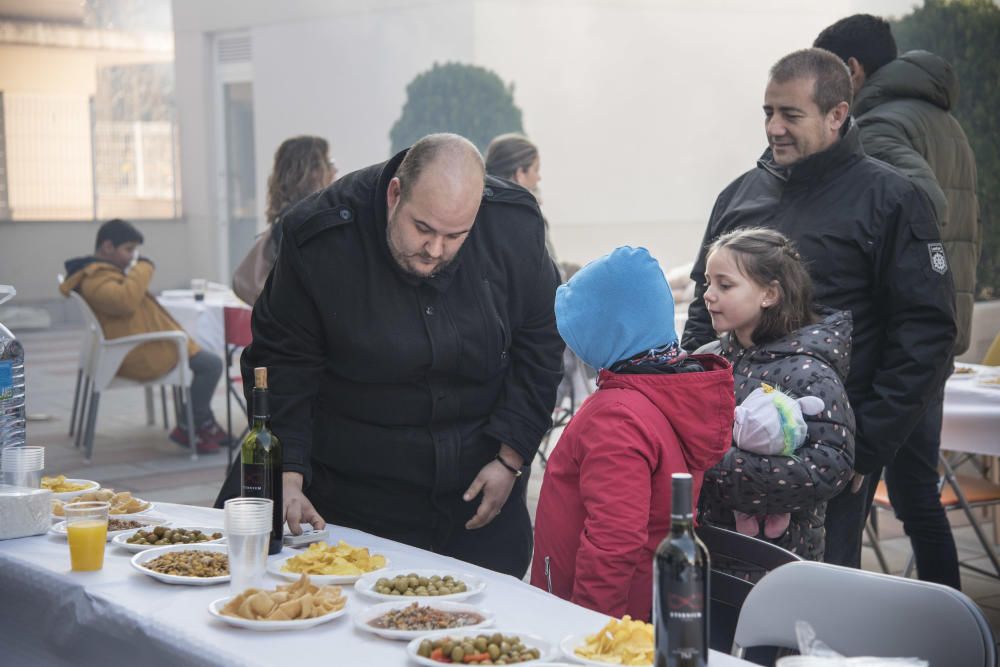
{"x": 12, "y": 433}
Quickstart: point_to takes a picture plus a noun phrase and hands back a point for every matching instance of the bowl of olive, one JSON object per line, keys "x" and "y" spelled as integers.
{"x": 415, "y": 584}
{"x": 162, "y": 536}
{"x": 464, "y": 646}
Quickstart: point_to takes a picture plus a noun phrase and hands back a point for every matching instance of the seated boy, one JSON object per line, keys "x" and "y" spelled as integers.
{"x": 115, "y": 283}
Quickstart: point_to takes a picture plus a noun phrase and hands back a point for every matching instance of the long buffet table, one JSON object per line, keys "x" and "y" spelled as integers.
{"x": 50, "y": 615}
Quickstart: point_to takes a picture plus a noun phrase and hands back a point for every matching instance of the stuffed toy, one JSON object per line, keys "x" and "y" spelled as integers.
{"x": 770, "y": 422}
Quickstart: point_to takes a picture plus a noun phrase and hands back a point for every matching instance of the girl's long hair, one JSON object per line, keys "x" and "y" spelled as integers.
{"x": 765, "y": 256}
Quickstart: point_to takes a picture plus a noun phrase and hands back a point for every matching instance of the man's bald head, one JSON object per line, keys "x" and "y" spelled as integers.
{"x": 450, "y": 158}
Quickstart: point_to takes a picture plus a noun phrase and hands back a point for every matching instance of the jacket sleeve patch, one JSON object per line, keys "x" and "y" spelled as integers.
{"x": 939, "y": 261}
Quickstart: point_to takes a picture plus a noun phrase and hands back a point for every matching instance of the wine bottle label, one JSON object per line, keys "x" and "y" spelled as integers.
{"x": 256, "y": 481}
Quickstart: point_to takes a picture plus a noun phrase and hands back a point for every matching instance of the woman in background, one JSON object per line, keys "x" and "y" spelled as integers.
{"x": 514, "y": 158}
{"x": 302, "y": 166}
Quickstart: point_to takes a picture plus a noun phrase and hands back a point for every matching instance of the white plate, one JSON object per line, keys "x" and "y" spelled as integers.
{"x": 60, "y": 528}
{"x": 545, "y": 648}
{"x": 970, "y": 372}
{"x": 150, "y": 554}
{"x": 215, "y": 609}
{"x": 134, "y": 515}
{"x": 66, "y": 495}
{"x": 363, "y": 619}
{"x": 991, "y": 381}
{"x": 573, "y": 641}
{"x": 274, "y": 567}
{"x": 121, "y": 538}
{"x": 366, "y": 584}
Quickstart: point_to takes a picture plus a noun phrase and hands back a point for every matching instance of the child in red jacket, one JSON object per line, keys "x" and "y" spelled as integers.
{"x": 605, "y": 499}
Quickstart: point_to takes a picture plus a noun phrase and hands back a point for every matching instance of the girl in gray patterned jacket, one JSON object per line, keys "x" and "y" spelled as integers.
{"x": 759, "y": 296}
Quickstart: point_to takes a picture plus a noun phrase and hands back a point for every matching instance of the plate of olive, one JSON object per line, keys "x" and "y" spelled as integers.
{"x": 458, "y": 646}
{"x": 164, "y": 536}
{"x": 415, "y": 584}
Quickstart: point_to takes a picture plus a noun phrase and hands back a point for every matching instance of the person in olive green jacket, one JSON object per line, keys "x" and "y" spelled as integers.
{"x": 115, "y": 284}
{"x": 902, "y": 106}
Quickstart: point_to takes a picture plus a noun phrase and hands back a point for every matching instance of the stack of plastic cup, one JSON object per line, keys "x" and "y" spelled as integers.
{"x": 248, "y": 529}
{"x": 22, "y": 466}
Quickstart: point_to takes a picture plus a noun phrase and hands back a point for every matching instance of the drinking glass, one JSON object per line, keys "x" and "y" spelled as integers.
{"x": 248, "y": 529}
{"x": 199, "y": 286}
{"x": 87, "y": 533}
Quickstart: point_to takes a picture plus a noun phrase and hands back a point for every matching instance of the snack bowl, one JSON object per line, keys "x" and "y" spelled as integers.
{"x": 215, "y": 609}
{"x": 366, "y": 584}
{"x": 274, "y": 567}
{"x": 572, "y": 642}
{"x": 60, "y": 527}
{"x": 364, "y": 618}
{"x": 545, "y": 647}
{"x": 66, "y": 495}
{"x": 991, "y": 381}
{"x": 139, "y": 560}
{"x": 121, "y": 538}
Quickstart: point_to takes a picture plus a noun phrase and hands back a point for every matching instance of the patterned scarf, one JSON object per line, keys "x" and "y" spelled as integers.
{"x": 658, "y": 356}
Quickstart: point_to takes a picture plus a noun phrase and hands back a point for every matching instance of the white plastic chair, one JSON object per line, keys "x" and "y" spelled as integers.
{"x": 101, "y": 370}
{"x": 87, "y": 341}
{"x": 859, "y": 613}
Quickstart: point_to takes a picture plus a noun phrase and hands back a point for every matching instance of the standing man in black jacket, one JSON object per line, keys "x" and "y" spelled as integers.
{"x": 413, "y": 357}
{"x": 873, "y": 248}
{"x": 902, "y": 106}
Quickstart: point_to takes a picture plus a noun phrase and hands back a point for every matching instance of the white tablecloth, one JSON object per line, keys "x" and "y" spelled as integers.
{"x": 203, "y": 320}
{"x": 50, "y": 615}
{"x": 972, "y": 413}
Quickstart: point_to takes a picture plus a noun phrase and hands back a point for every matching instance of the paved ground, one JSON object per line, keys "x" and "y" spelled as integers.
{"x": 129, "y": 455}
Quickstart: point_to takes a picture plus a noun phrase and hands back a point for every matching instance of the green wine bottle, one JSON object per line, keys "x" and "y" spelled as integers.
{"x": 260, "y": 459}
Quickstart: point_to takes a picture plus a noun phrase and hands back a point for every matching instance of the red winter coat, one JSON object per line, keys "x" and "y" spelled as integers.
{"x": 605, "y": 499}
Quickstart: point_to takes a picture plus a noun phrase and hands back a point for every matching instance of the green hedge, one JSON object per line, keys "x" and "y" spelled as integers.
{"x": 465, "y": 99}
{"x": 967, "y": 34}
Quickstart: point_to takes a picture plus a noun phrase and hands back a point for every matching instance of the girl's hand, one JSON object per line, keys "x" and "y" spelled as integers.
{"x": 857, "y": 482}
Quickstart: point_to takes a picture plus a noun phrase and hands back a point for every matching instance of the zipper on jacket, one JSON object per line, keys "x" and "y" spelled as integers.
{"x": 504, "y": 337}
{"x": 548, "y": 572}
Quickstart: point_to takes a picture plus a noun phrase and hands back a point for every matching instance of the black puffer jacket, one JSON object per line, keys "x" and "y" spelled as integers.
{"x": 810, "y": 362}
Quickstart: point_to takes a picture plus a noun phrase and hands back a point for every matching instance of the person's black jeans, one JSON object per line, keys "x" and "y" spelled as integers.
{"x": 912, "y": 480}
{"x": 207, "y": 369}
{"x": 845, "y": 524}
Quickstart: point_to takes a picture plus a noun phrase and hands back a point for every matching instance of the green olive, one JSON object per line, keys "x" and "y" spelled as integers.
{"x": 425, "y": 648}
{"x": 457, "y": 654}
{"x": 494, "y": 651}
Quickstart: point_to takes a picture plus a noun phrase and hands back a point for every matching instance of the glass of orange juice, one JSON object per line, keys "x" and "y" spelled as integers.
{"x": 87, "y": 530}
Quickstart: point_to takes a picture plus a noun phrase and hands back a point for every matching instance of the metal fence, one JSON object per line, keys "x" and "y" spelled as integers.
{"x": 60, "y": 163}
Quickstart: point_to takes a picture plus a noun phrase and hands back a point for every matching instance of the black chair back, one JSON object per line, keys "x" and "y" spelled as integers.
{"x": 738, "y": 561}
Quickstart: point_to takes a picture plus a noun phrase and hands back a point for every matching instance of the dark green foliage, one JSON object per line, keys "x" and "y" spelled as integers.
{"x": 967, "y": 34}
{"x": 464, "y": 99}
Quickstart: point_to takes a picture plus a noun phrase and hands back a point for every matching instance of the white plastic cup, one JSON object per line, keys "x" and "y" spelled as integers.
{"x": 199, "y": 286}
{"x": 248, "y": 530}
{"x": 22, "y": 466}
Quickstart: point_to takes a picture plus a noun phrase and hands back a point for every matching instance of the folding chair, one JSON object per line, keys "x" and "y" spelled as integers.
{"x": 965, "y": 492}
{"x": 859, "y": 613}
{"x": 236, "y": 321}
{"x": 101, "y": 374}
{"x": 727, "y": 590}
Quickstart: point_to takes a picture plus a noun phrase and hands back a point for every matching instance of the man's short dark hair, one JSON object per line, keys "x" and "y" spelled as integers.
{"x": 866, "y": 38}
{"x": 118, "y": 231}
{"x": 833, "y": 79}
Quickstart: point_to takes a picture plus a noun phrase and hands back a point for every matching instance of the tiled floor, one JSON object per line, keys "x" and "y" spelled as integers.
{"x": 129, "y": 455}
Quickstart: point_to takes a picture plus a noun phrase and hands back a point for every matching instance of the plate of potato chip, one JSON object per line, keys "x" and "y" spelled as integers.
{"x": 325, "y": 563}
{"x": 296, "y": 606}
{"x": 619, "y": 642}
{"x": 64, "y": 488}
{"x": 122, "y": 503}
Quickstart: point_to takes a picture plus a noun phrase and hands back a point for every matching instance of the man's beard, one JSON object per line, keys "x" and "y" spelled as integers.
{"x": 401, "y": 258}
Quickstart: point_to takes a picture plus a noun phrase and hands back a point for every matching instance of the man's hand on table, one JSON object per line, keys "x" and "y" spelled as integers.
{"x": 297, "y": 508}
{"x": 495, "y": 482}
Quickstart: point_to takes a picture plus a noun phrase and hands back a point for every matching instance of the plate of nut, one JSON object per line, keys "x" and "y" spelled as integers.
{"x": 163, "y": 536}
{"x": 188, "y": 564}
{"x": 403, "y": 584}
{"x": 406, "y": 620}
{"x": 116, "y": 526}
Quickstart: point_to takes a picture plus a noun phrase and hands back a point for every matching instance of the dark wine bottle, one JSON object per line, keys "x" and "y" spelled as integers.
{"x": 260, "y": 459}
{"x": 680, "y": 587}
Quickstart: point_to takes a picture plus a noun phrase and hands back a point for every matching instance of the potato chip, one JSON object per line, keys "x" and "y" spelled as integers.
{"x": 290, "y": 602}
{"x": 341, "y": 560}
{"x": 58, "y": 484}
{"x": 624, "y": 642}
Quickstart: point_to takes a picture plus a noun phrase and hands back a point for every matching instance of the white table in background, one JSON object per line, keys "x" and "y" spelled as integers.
{"x": 203, "y": 320}
{"x": 118, "y": 616}
{"x": 972, "y": 413}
